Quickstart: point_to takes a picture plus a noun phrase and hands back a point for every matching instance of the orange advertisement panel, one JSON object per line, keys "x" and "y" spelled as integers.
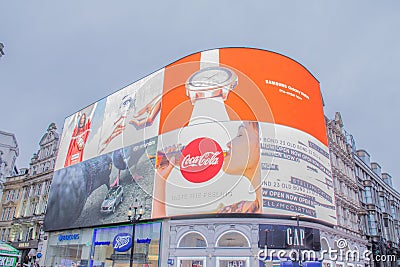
{"x": 271, "y": 88}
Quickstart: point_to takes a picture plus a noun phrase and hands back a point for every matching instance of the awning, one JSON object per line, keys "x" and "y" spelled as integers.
{"x": 7, "y": 250}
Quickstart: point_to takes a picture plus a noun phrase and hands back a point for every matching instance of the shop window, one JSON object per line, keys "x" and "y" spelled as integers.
{"x": 146, "y": 246}
{"x": 233, "y": 239}
{"x": 192, "y": 262}
{"x": 192, "y": 240}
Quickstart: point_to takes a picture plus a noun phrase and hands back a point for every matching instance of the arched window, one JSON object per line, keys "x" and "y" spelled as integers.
{"x": 192, "y": 240}
{"x": 324, "y": 244}
{"x": 233, "y": 239}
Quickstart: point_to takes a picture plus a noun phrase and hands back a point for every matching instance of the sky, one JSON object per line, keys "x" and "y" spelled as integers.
{"x": 61, "y": 56}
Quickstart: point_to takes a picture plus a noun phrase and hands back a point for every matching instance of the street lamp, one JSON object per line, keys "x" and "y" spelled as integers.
{"x": 1, "y": 50}
{"x": 133, "y": 218}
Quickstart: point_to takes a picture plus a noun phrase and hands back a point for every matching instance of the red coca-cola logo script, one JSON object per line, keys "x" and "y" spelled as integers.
{"x": 201, "y": 160}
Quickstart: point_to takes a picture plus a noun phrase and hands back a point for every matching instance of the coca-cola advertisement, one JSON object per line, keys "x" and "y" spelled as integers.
{"x": 219, "y": 173}
{"x": 233, "y": 130}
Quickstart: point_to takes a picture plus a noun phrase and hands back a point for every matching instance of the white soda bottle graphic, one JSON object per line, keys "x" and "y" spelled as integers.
{"x": 198, "y": 184}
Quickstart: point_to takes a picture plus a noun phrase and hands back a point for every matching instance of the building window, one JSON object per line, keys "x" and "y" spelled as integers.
{"x": 13, "y": 213}
{"x": 368, "y": 195}
{"x": 41, "y": 168}
{"x": 45, "y": 205}
{"x": 38, "y": 189}
{"x": 192, "y": 240}
{"x": 233, "y": 239}
{"x": 29, "y": 234}
{"x": 34, "y": 206}
{"x": 3, "y": 214}
{"x": 32, "y": 190}
{"x": 7, "y": 214}
{"x": 48, "y": 187}
{"x": 6, "y": 234}
{"x": 382, "y": 204}
{"x": 372, "y": 225}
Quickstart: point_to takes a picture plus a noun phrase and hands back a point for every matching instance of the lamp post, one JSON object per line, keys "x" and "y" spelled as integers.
{"x": 1, "y": 54}
{"x": 298, "y": 242}
{"x": 133, "y": 218}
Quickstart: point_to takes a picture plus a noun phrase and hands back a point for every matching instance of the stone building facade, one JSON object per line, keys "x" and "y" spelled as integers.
{"x": 25, "y": 199}
{"x": 380, "y": 222}
{"x": 348, "y": 208}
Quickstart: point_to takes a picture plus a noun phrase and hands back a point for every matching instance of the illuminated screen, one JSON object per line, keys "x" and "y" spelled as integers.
{"x": 230, "y": 130}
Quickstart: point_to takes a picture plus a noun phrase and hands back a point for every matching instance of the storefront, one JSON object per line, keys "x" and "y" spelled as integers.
{"x": 9, "y": 256}
{"x": 241, "y": 242}
{"x": 288, "y": 245}
{"x": 112, "y": 245}
{"x": 69, "y": 248}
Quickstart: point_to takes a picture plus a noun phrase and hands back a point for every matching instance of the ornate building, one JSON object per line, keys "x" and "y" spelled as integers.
{"x": 341, "y": 147}
{"x": 10, "y": 203}
{"x": 381, "y": 201}
{"x": 25, "y": 199}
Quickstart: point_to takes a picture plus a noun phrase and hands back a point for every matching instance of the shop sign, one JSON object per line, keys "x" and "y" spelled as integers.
{"x": 122, "y": 242}
{"x": 7, "y": 261}
{"x": 143, "y": 241}
{"x": 68, "y": 237}
{"x": 25, "y": 245}
{"x": 288, "y": 237}
{"x": 233, "y": 263}
{"x": 102, "y": 243}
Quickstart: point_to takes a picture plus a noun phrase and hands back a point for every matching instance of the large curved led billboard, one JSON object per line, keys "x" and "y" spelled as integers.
{"x": 229, "y": 130}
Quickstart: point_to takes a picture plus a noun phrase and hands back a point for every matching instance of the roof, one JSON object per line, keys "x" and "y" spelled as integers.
{"x": 6, "y": 249}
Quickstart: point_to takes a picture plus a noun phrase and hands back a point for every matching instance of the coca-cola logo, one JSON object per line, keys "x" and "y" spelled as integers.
{"x": 201, "y": 160}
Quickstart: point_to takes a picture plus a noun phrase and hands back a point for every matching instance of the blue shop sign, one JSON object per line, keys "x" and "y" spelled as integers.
{"x": 143, "y": 241}
{"x": 68, "y": 237}
{"x": 102, "y": 243}
{"x": 122, "y": 242}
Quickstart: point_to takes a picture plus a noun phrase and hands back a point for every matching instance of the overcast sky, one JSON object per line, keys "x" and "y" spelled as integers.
{"x": 61, "y": 56}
